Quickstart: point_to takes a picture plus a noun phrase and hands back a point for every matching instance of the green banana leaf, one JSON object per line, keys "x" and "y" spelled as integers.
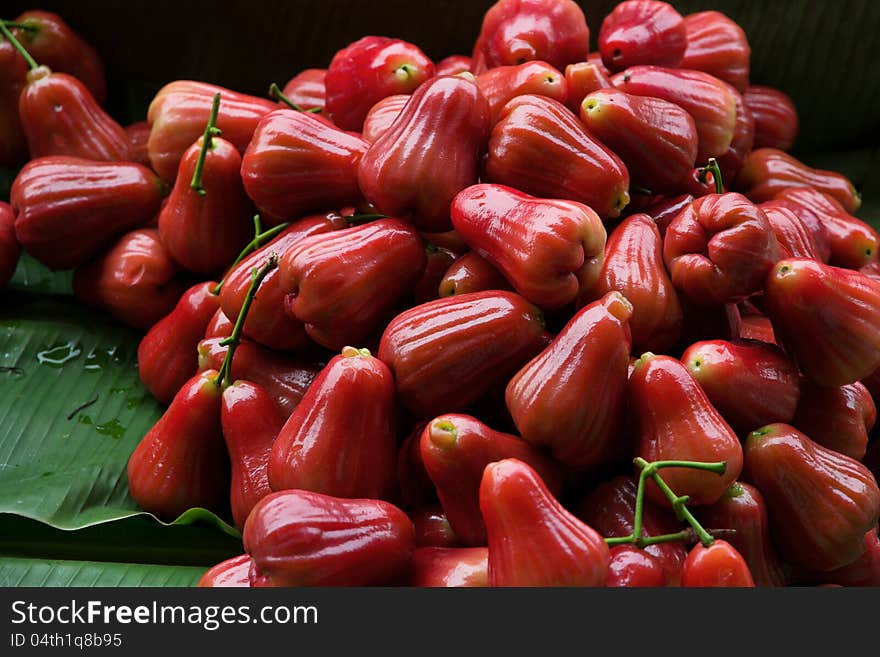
{"x": 51, "y": 572}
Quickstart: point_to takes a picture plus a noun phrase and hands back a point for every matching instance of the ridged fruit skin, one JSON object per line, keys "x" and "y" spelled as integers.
{"x": 298, "y": 163}
{"x": 633, "y": 265}
{"x": 59, "y": 116}
{"x": 265, "y": 323}
{"x": 582, "y": 79}
{"x": 717, "y": 45}
{"x": 340, "y": 440}
{"x": 864, "y": 571}
{"x": 610, "y": 509}
{"x": 852, "y": 243}
{"x": 547, "y": 249}
{"x": 517, "y": 31}
{"x": 656, "y": 139}
{"x": 533, "y": 540}
{"x": 795, "y": 239}
{"x": 178, "y": 113}
{"x": 448, "y": 353}
{"x": 205, "y": 232}
{"x": 719, "y": 249}
{"x": 134, "y": 280}
{"x": 750, "y": 383}
{"x": 300, "y": 538}
{"x": 382, "y": 115}
{"x": 251, "y": 422}
{"x": 841, "y": 344}
{"x": 538, "y": 147}
{"x": 167, "y": 356}
{"x": 705, "y": 98}
{"x": 776, "y": 118}
{"x": 439, "y": 567}
{"x": 820, "y": 503}
{"x": 839, "y": 418}
{"x": 68, "y": 209}
{"x": 769, "y": 171}
{"x": 632, "y": 567}
{"x": 588, "y": 359}
{"x": 743, "y": 141}
{"x": 368, "y": 70}
{"x": 504, "y": 83}
{"x": 429, "y": 154}
{"x": 182, "y": 462}
{"x": 284, "y": 377}
{"x": 10, "y": 249}
{"x": 232, "y": 572}
{"x": 743, "y": 509}
{"x": 306, "y": 89}
{"x": 719, "y": 565}
{"x": 471, "y": 272}
{"x": 676, "y": 421}
{"x": 455, "y": 450}
{"x": 344, "y": 284}
{"x": 642, "y": 32}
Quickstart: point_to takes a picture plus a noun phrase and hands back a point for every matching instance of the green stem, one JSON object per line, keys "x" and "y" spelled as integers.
{"x": 21, "y": 26}
{"x": 32, "y": 64}
{"x": 260, "y": 238}
{"x": 211, "y": 131}
{"x": 232, "y": 342}
{"x": 715, "y": 170}
{"x": 276, "y": 94}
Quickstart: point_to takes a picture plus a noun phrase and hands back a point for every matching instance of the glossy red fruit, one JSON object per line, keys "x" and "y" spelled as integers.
{"x": 656, "y": 139}
{"x": 68, "y": 209}
{"x": 450, "y": 567}
{"x": 220, "y": 326}
{"x": 583, "y": 79}
{"x": 415, "y": 486}
{"x": 182, "y": 462}
{"x": 701, "y": 95}
{"x": 610, "y": 509}
{"x": 750, "y": 383}
{"x": 306, "y": 89}
{"x": 300, "y": 538}
{"x": 676, "y": 421}
{"x": 757, "y": 327}
{"x": 250, "y": 422}
{"x": 133, "y": 281}
{"x": 13, "y": 69}
{"x": 368, "y": 70}
{"x": 743, "y": 510}
{"x": 588, "y": 359}
{"x": 666, "y": 208}
{"x": 839, "y": 418}
{"x": 769, "y": 171}
{"x": 438, "y": 261}
{"x": 340, "y": 440}
{"x": 852, "y": 243}
{"x": 540, "y": 148}
{"x": 518, "y": 31}
{"x": 265, "y": 323}
{"x": 776, "y": 117}
{"x": 138, "y": 134}
{"x": 795, "y": 239}
{"x": 547, "y": 249}
{"x": 642, "y": 32}
{"x": 455, "y": 450}
{"x": 743, "y": 141}
{"x": 504, "y": 83}
{"x": 841, "y": 344}
{"x": 453, "y": 65}
{"x": 719, "y": 565}
{"x": 533, "y": 539}
{"x": 229, "y": 573}
{"x": 471, "y": 273}
{"x": 167, "y": 354}
{"x": 820, "y": 503}
{"x": 297, "y": 163}
{"x": 448, "y": 353}
{"x": 864, "y": 571}
{"x": 433, "y": 528}
{"x": 717, "y": 45}
{"x": 632, "y": 567}
{"x": 633, "y": 265}
{"x": 179, "y": 112}
{"x": 9, "y": 246}
{"x": 429, "y": 154}
{"x": 382, "y": 115}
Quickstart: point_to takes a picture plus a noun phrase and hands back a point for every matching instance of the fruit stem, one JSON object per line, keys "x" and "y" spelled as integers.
{"x": 276, "y": 94}
{"x": 234, "y": 339}
{"x": 211, "y": 130}
{"x": 260, "y": 238}
{"x": 715, "y": 170}
{"x": 31, "y": 62}
{"x": 20, "y": 26}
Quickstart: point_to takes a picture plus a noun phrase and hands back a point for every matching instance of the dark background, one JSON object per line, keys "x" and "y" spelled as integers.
{"x": 822, "y": 52}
